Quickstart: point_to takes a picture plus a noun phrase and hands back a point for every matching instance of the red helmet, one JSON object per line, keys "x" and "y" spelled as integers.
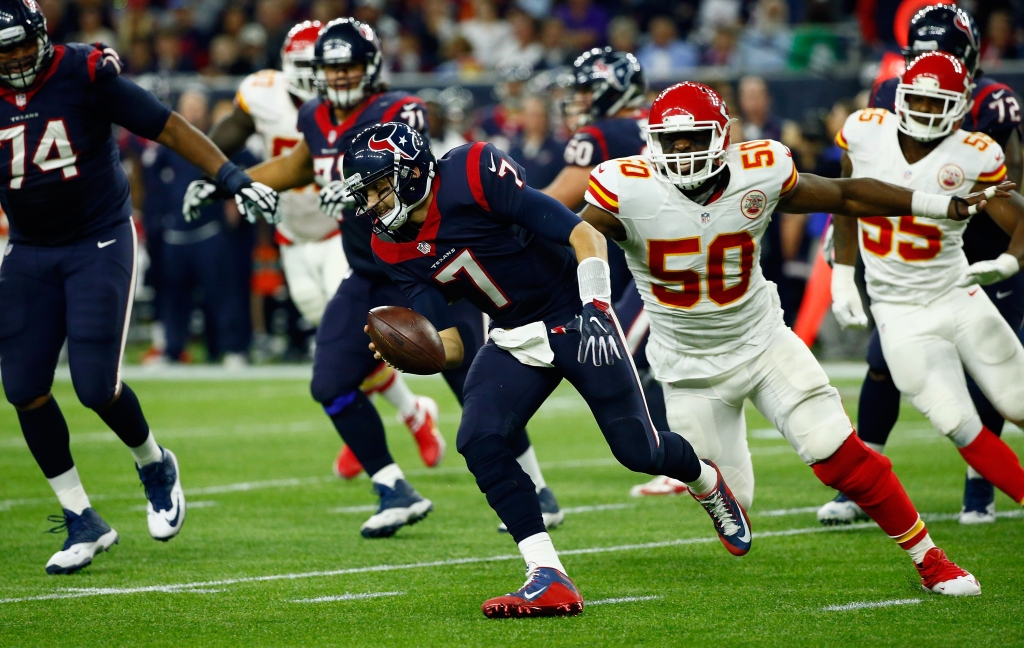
{"x": 296, "y": 58}
{"x": 686, "y": 108}
{"x": 939, "y": 76}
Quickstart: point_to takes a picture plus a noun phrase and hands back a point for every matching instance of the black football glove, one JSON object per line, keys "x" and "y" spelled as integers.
{"x": 254, "y": 199}
{"x": 599, "y": 339}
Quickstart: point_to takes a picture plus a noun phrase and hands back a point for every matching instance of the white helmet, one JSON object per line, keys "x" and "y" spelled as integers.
{"x": 297, "y": 58}
{"x": 935, "y": 75}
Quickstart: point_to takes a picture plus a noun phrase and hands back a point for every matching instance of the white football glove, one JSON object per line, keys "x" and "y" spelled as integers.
{"x": 846, "y": 304}
{"x": 335, "y": 199}
{"x": 200, "y": 193}
{"x": 258, "y": 200}
{"x": 984, "y": 273}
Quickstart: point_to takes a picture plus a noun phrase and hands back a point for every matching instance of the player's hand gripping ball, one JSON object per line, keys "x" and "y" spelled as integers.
{"x": 406, "y": 340}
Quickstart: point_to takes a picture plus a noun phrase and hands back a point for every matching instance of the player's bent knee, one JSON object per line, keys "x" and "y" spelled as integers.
{"x": 93, "y": 394}
{"x": 627, "y": 438}
{"x": 335, "y": 406}
{"x": 879, "y": 375}
{"x": 31, "y": 404}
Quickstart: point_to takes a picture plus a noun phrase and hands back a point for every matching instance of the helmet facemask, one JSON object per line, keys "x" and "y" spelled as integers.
{"x": 22, "y": 72}
{"x": 693, "y": 168}
{"x": 925, "y": 126}
{"x": 298, "y": 69}
{"x": 351, "y": 96}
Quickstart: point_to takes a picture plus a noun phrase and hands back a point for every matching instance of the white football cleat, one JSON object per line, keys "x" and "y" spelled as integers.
{"x": 399, "y": 506}
{"x": 942, "y": 576}
{"x": 88, "y": 535}
{"x": 165, "y": 511}
{"x": 841, "y": 510}
{"x": 660, "y": 485}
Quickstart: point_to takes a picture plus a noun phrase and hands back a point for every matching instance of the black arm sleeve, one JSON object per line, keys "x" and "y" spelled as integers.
{"x": 128, "y": 105}
{"x": 545, "y": 216}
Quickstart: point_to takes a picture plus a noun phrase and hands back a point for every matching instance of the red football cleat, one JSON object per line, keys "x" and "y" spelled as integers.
{"x": 941, "y": 575}
{"x": 547, "y": 592}
{"x": 423, "y": 426}
{"x": 346, "y": 465}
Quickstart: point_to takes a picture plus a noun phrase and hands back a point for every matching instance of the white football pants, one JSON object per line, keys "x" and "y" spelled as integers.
{"x": 313, "y": 272}
{"x": 786, "y": 384}
{"x": 928, "y": 347}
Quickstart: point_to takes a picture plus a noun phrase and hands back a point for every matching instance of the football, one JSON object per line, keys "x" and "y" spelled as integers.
{"x": 406, "y": 339}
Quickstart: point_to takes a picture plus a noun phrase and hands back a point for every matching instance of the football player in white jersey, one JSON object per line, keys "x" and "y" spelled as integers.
{"x": 932, "y": 317}
{"x": 690, "y": 214}
{"x": 267, "y": 104}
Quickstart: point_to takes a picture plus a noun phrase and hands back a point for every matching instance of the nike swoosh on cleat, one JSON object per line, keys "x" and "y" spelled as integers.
{"x": 103, "y": 244}
{"x": 174, "y": 522}
{"x": 746, "y": 534}
{"x": 530, "y": 597}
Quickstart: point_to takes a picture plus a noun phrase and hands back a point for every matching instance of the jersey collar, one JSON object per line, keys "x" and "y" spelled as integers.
{"x": 325, "y": 119}
{"x": 13, "y": 94}
{"x": 423, "y": 246}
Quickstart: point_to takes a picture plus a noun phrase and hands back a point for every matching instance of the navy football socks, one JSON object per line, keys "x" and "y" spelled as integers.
{"x": 360, "y": 427}
{"x": 878, "y": 409}
{"x": 126, "y": 419}
{"x": 46, "y": 433}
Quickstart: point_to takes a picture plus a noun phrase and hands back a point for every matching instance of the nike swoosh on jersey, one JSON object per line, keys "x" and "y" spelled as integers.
{"x": 493, "y": 168}
{"x": 1002, "y": 295}
{"x": 103, "y": 244}
{"x": 996, "y": 95}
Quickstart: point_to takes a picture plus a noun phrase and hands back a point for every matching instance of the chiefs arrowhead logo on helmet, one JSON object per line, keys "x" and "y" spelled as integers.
{"x": 383, "y": 141}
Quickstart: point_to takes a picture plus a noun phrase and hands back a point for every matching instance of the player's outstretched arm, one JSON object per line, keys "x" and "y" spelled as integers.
{"x": 230, "y": 133}
{"x": 1008, "y": 213}
{"x": 870, "y": 197}
{"x": 289, "y": 171}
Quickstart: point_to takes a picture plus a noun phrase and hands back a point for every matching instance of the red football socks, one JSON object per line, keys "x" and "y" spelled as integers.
{"x": 997, "y": 462}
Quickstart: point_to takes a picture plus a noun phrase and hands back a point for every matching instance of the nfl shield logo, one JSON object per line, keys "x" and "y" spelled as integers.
{"x": 331, "y": 137}
{"x": 705, "y": 217}
{"x": 423, "y": 247}
{"x": 20, "y": 99}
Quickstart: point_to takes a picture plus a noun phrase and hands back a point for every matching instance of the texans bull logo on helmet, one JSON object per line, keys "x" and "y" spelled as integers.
{"x": 384, "y": 140}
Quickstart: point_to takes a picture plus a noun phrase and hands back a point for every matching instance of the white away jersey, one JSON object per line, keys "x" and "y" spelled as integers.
{"x": 906, "y": 259}
{"x": 265, "y": 97}
{"x": 697, "y": 267}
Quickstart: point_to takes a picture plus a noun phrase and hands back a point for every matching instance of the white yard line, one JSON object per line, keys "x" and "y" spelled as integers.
{"x": 869, "y": 604}
{"x": 789, "y": 511}
{"x": 623, "y": 599}
{"x": 184, "y": 587}
{"x": 354, "y": 509}
{"x": 597, "y": 507}
{"x": 347, "y": 597}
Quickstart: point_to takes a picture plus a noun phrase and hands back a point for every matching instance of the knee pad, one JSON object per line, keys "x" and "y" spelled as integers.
{"x": 629, "y": 443}
{"x": 336, "y": 406}
{"x": 94, "y": 395}
{"x": 496, "y": 470}
{"x": 855, "y": 470}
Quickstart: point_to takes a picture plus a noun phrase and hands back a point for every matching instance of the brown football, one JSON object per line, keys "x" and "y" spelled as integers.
{"x": 406, "y": 339}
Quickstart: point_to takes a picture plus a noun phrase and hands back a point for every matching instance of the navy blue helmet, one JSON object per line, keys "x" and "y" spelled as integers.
{"x": 614, "y": 79}
{"x": 393, "y": 152}
{"x": 343, "y": 42}
{"x": 944, "y": 28}
{"x": 21, "y": 22}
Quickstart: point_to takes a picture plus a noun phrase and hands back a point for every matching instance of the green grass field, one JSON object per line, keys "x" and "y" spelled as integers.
{"x": 270, "y": 531}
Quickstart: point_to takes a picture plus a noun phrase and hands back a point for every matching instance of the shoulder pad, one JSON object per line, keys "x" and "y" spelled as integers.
{"x": 103, "y": 62}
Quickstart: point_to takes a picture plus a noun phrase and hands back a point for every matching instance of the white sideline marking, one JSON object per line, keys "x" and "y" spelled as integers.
{"x": 869, "y": 604}
{"x": 191, "y": 505}
{"x": 624, "y": 599}
{"x": 597, "y": 507}
{"x": 347, "y": 597}
{"x": 789, "y": 511}
{"x": 354, "y": 509}
{"x": 178, "y": 587}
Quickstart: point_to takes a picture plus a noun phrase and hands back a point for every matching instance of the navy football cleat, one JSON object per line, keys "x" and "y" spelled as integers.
{"x": 88, "y": 535}
{"x": 399, "y": 506}
{"x": 549, "y": 509}
{"x": 979, "y": 502}
{"x": 547, "y": 592}
{"x": 841, "y": 510}
{"x": 730, "y": 519}
{"x": 165, "y": 511}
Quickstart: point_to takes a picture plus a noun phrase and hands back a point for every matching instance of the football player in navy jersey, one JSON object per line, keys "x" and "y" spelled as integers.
{"x": 347, "y": 63}
{"x": 69, "y": 269}
{"x": 468, "y": 227}
{"x": 997, "y": 113}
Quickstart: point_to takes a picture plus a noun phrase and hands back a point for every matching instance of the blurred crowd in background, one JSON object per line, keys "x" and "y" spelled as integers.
{"x": 212, "y": 290}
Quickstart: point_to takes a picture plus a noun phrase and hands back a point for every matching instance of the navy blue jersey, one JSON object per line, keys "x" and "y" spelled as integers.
{"x": 60, "y": 174}
{"x": 997, "y": 113}
{"x": 470, "y": 248}
{"x": 604, "y": 139}
{"x": 328, "y": 141}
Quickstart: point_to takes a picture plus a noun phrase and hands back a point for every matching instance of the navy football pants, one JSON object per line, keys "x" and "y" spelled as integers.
{"x": 83, "y": 292}
{"x": 343, "y": 359}
{"x": 502, "y": 394}
{"x": 882, "y": 396}
{"x": 637, "y": 328}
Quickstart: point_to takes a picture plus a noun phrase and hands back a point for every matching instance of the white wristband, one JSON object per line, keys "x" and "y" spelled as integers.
{"x": 926, "y": 205}
{"x": 1007, "y": 264}
{"x": 595, "y": 279}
